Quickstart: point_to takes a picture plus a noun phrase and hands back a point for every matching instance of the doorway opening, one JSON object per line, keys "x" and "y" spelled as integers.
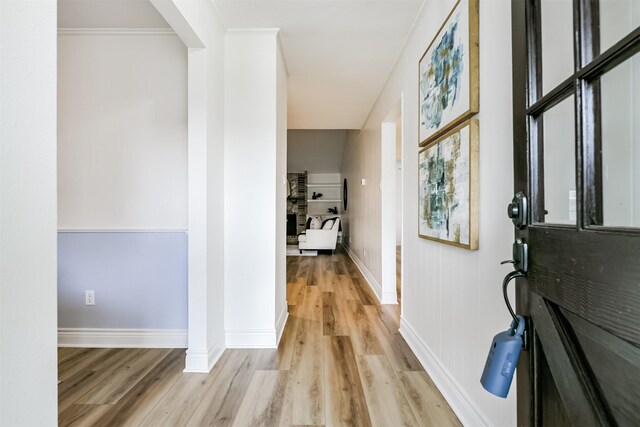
{"x": 399, "y": 209}
{"x": 391, "y": 205}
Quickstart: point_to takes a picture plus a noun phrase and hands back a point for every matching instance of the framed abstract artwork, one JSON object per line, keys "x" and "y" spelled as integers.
{"x": 448, "y": 187}
{"x": 448, "y": 74}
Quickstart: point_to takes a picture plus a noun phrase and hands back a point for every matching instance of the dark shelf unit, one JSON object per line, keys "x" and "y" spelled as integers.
{"x": 297, "y": 202}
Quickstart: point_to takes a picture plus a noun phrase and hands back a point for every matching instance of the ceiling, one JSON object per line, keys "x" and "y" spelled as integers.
{"x": 339, "y": 53}
{"x": 109, "y": 14}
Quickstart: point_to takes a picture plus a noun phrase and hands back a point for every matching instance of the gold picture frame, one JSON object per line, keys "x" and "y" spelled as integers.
{"x": 448, "y": 74}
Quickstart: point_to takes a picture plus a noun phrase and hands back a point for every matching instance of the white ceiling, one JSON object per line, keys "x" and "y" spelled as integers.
{"x": 109, "y": 14}
{"x": 339, "y": 52}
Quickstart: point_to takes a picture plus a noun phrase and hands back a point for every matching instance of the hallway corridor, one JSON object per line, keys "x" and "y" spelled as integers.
{"x": 341, "y": 361}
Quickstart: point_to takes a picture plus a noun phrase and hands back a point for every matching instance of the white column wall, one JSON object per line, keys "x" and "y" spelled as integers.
{"x": 252, "y": 210}
{"x": 28, "y": 218}
{"x": 198, "y": 25}
{"x": 281, "y": 194}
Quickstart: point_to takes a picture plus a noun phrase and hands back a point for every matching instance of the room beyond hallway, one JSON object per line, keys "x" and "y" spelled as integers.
{"x": 341, "y": 361}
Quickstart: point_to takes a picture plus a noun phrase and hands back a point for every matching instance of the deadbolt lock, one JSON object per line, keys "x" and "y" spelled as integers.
{"x": 517, "y": 210}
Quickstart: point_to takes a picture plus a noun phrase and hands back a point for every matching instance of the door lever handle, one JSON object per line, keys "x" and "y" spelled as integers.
{"x": 520, "y": 254}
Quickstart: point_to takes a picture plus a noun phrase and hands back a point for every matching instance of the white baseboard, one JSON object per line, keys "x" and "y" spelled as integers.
{"x": 368, "y": 277}
{"x": 251, "y": 338}
{"x": 389, "y": 298}
{"x": 122, "y": 338}
{"x": 202, "y": 361}
{"x": 282, "y": 321}
{"x": 466, "y": 410}
{"x": 258, "y": 338}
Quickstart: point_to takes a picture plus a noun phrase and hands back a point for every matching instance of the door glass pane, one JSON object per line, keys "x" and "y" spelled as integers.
{"x": 617, "y": 19}
{"x": 620, "y": 92}
{"x": 557, "y": 42}
{"x": 559, "y": 163}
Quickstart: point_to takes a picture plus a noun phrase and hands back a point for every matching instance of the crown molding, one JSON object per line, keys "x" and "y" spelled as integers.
{"x": 114, "y": 31}
{"x": 122, "y": 230}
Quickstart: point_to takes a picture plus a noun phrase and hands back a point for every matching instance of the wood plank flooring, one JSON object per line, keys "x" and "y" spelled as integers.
{"x": 341, "y": 362}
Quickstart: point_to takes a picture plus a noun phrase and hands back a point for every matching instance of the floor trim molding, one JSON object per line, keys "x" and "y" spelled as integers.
{"x": 251, "y": 338}
{"x": 282, "y": 321}
{"x": 368, "y": 277}
{"x": 389, "y": 298}
{"x": 466, "y": 410}
{"x": 122, "y": 338}
{"x": 200, "y": 361}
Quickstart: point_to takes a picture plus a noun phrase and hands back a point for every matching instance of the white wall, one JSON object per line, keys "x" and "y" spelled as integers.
{"x": 254, "y": 194}
{"x": 452, "y": 302}
{"x": 28, "y": 356}
{"x": 324, "y": 178}
{"x": 281, "y": 193}
{"x": 362, "y": 223}
{"x": 122, "y": 131}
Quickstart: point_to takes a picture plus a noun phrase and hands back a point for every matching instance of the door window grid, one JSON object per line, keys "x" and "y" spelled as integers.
{"x": 584, "y": 84}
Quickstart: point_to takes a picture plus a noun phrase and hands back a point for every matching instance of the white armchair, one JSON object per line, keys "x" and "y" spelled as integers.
{"x": 320, "y": 239}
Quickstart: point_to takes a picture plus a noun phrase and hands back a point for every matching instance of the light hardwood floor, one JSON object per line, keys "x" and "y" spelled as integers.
{"x": 341, "y": 361}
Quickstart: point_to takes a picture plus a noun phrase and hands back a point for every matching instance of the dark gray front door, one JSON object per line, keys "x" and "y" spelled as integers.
{"x": 576, "y": 117}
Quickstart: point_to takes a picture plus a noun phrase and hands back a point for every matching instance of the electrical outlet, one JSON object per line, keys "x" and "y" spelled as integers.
{"x": 89, "y": 297}
{"x": 364, "y": 252}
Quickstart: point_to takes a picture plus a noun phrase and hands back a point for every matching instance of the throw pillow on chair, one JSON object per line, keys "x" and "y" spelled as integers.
{"x": 316, "y": 223}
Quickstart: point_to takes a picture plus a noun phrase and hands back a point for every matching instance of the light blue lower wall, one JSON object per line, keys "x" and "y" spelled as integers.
{"x": 139, "y": 279}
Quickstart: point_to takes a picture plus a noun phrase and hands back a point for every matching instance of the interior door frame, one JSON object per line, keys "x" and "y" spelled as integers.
{"x": 388, "y": 198}
{"x": 524, "y": 386}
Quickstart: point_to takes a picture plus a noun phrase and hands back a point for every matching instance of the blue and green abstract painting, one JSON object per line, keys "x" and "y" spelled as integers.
{"x": 441, "y": 74}
{"x": 444, "y": 189}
